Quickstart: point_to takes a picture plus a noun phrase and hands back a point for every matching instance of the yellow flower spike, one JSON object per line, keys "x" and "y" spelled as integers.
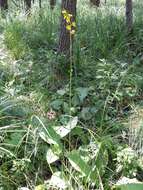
{"x": 65, "y": 15}
{"x": 72, "y": 32}
{"x": 69, "y": 27}
{"x": 73, "y": 24}
{"x": 68, "y": 20}
{"x": 64, "y": 11}
{"x": 69, "y": 15}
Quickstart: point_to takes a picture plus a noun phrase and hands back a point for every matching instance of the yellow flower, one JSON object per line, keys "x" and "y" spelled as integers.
{"x": 70, "y": 24}
{"x": 68, "y": 27}
{"x": 72, "y": 32}
{"x": 64, "y": 11}
{"x": 67, "y": 18}
{"x": 70, "y": 15}
{"x": 73, "y": 24}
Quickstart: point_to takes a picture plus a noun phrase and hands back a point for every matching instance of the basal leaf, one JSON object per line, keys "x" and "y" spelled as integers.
{"x": 48, "y": 134}
{"x": 78, "y": 163}
{"x": 82, "y": 93}
{"x": 51, "y": 156}
{"x": 58, "y": 181}
{"x": 64, "y": 130}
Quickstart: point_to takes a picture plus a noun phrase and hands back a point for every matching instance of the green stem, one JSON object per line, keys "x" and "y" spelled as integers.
{"x": 70, "y": 85}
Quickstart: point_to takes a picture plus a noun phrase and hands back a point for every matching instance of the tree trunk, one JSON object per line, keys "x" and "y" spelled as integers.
{"x": 129, "y": 15}
{"x": 28, "y": 5}
{"x": 40, "y": 4}
{"x": 95, "y": 2}
{"x": 64, "y": 39}
{"x": 4, "y": 5}
{"x": 52, "y": 4}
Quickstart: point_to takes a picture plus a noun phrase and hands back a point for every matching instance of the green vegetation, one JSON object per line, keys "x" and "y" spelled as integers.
{"x": 83, "y": 132}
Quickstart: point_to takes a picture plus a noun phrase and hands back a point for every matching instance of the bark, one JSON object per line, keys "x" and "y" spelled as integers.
{"x": 95, "y": 2}
{"x": 64, "y": 39}
{"x": 40, "y": 4}
{"x": 52, "y": 4}
{"x": 4, "y": 5}
{"x": 28, "y": 5}
{"x": 129, "y": 15}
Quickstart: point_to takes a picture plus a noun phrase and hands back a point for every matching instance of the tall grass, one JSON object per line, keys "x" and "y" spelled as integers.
{"x": 105, "y": 36}
{"x": 104, "y": 86}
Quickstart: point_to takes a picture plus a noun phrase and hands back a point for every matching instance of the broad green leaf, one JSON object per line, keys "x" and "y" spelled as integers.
{"x": 64, "y": 130}
{"x": 82, "y": 93}
{"x": 51, "y": 137}
{"x": 58, "y": 181}
{"x": 48, "y": 134}
{"x": 66, "y": 107}
{"x": 51, "y": 156}
{"x": 95, "y": 154}
{"x": 101, "y": 159}
{"x": 62, "y": 92}
{"x": 86, "y": 114}
{"x": 89, "y": 152}
{"x": 78, "y": 163}
{"x": 56, "y": 104}
{"x": 75, "y": 100}
{"x": 89, "y": 165}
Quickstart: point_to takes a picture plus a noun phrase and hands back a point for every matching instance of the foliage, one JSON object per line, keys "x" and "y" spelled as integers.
{"x": 128, "y": 162}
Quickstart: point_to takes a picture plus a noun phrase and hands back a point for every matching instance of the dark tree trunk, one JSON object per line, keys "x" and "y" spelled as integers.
{"x": 64, "y": 39}
{"x": 40, "y": 4}
{"x": 4, "y": 5}
{"x": 28, "y": 5}
{"x": 52, "y": 4}
{"x": 95, "y": 2}
{"x": 129, "y": 15}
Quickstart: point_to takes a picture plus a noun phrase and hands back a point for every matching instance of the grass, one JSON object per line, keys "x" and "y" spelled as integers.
{"x": 107, "y": 82}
